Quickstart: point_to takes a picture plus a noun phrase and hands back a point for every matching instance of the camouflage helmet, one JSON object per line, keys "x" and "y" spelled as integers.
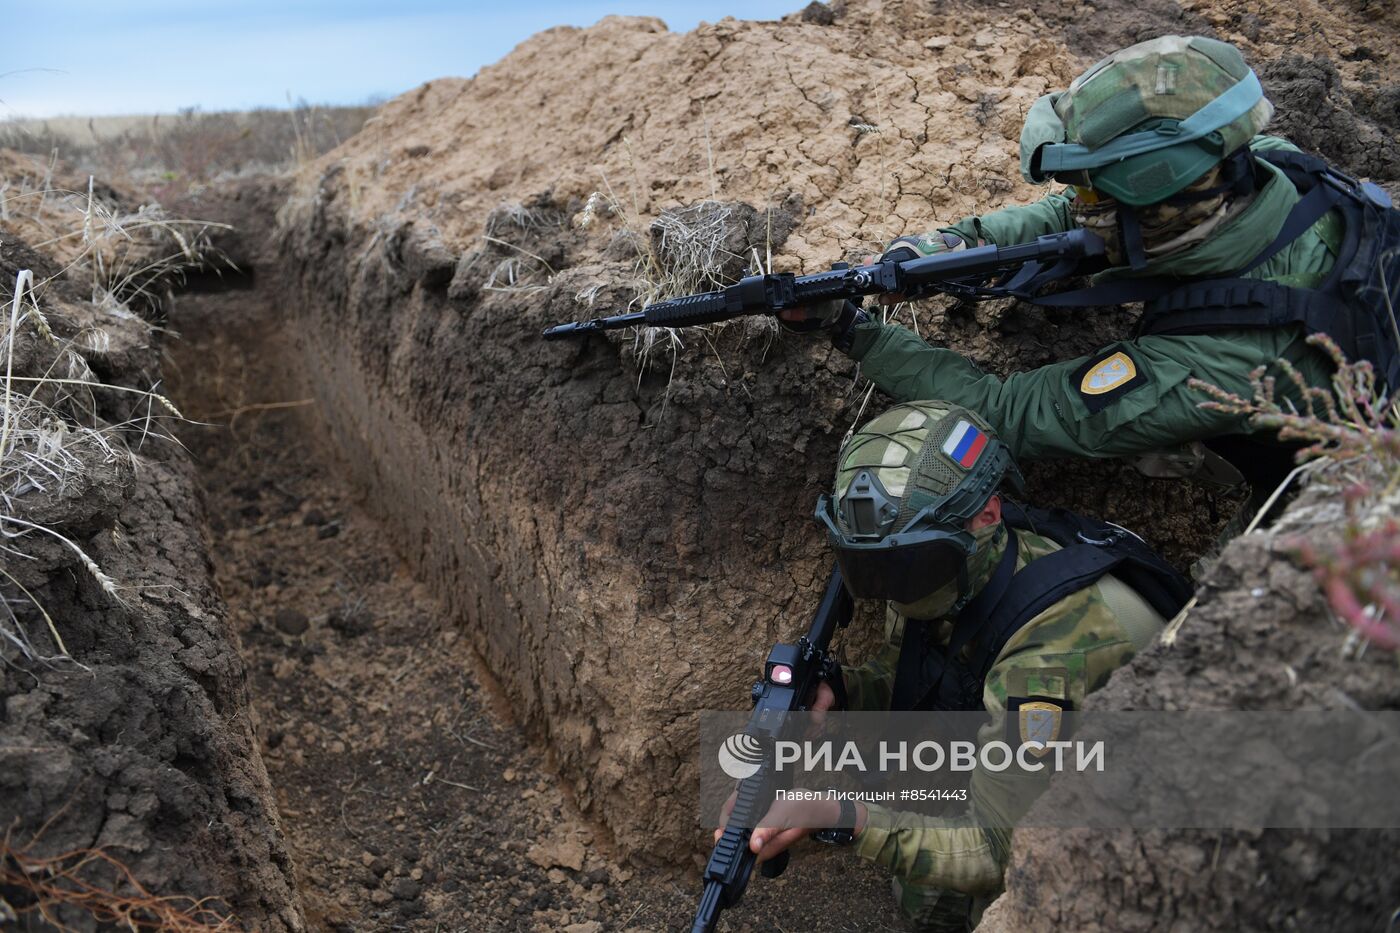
{"x": 907, "y": 484}
{"x": 1147, "y": 121}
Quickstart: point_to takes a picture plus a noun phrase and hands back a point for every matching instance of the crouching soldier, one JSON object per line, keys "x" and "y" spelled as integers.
{"x": 1240, "y": 245}
{"x": 989, "y": 605}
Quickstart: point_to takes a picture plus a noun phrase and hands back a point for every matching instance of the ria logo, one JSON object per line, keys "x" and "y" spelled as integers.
{"x": 740, "y": 756}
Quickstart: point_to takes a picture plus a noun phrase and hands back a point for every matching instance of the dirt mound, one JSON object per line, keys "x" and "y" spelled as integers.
{"x": 124, "y": 718}
{"x": 1261, "y": 638}
{"x": 620, "y": 527}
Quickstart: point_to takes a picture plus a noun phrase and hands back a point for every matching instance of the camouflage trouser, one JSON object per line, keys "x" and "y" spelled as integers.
{"x": 934, "y": 910}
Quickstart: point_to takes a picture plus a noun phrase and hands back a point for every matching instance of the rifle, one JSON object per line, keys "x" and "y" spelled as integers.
{"x": 1018, "y": 271}
{"x": 789, "y": 676}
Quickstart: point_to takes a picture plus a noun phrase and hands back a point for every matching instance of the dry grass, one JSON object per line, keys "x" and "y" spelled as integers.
{"x": 681, "y": 252}
{"x": 54, "y": 437}
{"x": 170, "y": 154}
{"x": 1351, "y": 438}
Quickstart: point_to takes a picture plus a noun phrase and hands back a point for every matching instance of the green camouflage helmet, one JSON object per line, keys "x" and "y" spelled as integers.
{"x": 1147, "y": 121}
{"x": 907, "y": 485}
{"x": 918, "y": 455}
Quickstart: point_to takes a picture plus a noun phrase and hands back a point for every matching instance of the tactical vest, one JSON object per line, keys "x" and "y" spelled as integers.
{"x": 945, "y": 677}
{"x": 1355, "y": 305}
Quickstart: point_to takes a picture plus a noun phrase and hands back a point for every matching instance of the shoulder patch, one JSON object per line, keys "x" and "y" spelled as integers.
{"x": 1106, "y": 378}
{"x": 1035, "y": 721}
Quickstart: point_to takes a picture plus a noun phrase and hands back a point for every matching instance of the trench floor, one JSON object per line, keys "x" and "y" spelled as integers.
{"x": 408, "y": 798}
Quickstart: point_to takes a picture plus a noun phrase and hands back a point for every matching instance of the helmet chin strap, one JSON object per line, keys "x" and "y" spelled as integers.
{"x": 1130, "y": 235}
{"x": 963, "y": 595}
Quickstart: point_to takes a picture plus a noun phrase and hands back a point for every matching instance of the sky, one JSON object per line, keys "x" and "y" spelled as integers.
{"x": 76, "y": 57}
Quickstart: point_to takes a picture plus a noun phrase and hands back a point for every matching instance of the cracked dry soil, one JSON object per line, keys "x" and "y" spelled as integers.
{"x": 409, "y": 798}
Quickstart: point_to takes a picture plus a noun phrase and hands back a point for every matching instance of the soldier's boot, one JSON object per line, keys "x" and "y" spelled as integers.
{"x": 933, "y": 910}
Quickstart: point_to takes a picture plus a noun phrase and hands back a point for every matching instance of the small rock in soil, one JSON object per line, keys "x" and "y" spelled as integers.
{"x": 379, "y": 866}
{"x": 329, "y": 531}
{"x": 564, "y": 851}
{"x": 590, "y": 926}
{"x": 314, "y": 517}
{"x": 406, "y": 889}
{"x": 290, "y": 621}
{"x": 351, "y": 624}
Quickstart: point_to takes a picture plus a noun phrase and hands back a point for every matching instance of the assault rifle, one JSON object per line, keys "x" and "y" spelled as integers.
{"x": 790, "y": 675}
{"x": 1018, "y": 271}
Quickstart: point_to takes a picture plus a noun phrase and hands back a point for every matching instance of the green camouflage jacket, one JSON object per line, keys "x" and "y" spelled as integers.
{"x": 1130, "y": 397}
{"x": 1066, "y": 652}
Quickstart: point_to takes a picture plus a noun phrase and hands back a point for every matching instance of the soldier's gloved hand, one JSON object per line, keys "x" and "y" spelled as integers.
{"x": 924, "y": 244}
{"x": 817, "y": 318}
{"x": 836, "y": 319}
{"x": 905, "y": 248}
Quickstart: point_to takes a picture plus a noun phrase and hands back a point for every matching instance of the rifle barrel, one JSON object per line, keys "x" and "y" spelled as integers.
{"x": 576, "y": 328}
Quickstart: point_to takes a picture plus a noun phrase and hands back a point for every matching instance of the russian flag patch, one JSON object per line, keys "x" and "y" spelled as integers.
{"x": 965, "y": 444}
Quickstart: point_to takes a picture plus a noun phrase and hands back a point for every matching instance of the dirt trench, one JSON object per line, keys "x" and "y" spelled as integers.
{"x": 408, "y": 795}
{"x": 128, "y": 760}
{"x": 612, "y": 522}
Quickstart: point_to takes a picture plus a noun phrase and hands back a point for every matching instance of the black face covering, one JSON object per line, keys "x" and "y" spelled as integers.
{"x": 901, "y": 574}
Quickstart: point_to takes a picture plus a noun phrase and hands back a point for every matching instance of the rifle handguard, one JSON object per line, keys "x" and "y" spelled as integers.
{"x": 688, "y": 310}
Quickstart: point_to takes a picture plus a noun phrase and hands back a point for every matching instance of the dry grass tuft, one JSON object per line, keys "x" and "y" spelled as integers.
{"x": 56, "y": 433}
{"x": 1351, "y": 438}
{"x": 681, "y": 252}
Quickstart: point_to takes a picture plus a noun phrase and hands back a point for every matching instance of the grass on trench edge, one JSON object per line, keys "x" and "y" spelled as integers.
{"x": 51, "y": 432}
